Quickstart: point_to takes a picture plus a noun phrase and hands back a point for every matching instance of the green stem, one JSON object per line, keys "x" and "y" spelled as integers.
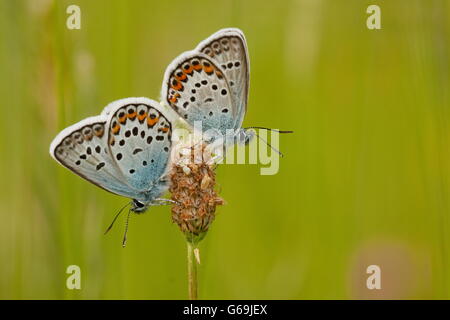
{"x": 192, "y": 271}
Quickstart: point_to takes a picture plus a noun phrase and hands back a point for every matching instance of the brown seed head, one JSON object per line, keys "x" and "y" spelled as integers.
{"x": 192, "y": 187}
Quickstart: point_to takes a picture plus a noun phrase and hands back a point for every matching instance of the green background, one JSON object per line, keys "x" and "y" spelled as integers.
{"x": 365, "y": 178}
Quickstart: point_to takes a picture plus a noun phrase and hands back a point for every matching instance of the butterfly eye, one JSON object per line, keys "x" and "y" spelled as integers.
{"x": 138, "y": 204}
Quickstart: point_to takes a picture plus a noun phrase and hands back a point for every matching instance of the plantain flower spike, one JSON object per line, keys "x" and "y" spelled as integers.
{"x": 192, "y": 184}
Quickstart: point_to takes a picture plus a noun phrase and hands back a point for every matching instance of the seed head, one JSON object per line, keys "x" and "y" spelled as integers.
{"x": 192, "y": 187}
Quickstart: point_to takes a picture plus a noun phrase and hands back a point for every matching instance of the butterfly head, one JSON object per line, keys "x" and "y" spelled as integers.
{"x": 244, "y": 136}
{"x": 138, "y": 206}
{"x": 249, "y": 135}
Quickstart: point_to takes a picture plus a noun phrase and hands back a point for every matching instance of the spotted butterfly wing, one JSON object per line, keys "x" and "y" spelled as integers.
{"x": 228, "y": 48}
{"x": 196, "y": 88}
{"x": 140, "y": 142}
{"x": 89, "y": 149}
{"x": 83, "y": 149}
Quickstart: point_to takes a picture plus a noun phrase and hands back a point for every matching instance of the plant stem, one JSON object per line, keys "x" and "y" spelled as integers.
{"x": 192, "y": 271}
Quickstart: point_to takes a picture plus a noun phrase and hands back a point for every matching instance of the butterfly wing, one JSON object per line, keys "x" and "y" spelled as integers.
{"x": 83, "y": 149}
{"x": 197, "y": 89}
{"x": 228, "y": 49}
{"x": 139, "y": 137}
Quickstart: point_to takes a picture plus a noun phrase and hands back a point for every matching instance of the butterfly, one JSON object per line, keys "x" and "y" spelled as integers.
{"x": 124, "y": 150}
{"x": 210, "y": 84}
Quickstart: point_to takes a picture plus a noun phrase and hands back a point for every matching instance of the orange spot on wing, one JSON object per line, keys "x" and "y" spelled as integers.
{"x": 123, "y": 119}
{"x": 209, "y": 69}
{"x": 197, "y": 67}
{"x": 189, "y": 70}
{"x": 142, "y": 116}
{"x": 178, "y": 86}
{"x": 132, "y": 115}
{"x": 151, "y": 122}
{"x": 99, "y": 133}
{"x": 174, "y": 98}
{"x": 116, "y": 128}
{"x": 182, "y": 77}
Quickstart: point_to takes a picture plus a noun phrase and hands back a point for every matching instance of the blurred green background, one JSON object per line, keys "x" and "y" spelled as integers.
{"x": 365, "y": 178}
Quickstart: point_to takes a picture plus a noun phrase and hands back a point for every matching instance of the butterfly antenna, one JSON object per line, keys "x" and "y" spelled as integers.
{"x": 115, "y": 218}
{"x": 124, "y": 241}
{"x": 273, "y": 148}
{"x": 265, "y": 141}
{"x": 269, "y": 129}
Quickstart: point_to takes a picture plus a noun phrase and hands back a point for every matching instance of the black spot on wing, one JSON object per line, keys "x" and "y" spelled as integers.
{"x": 100, "y": 165}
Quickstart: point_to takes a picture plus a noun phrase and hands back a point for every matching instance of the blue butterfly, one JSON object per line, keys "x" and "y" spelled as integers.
{"x": 124, "y": 150}
{"x": 210, "y": 85}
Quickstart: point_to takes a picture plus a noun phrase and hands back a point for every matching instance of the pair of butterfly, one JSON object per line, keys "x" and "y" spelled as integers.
{"x": 126, "y": 149}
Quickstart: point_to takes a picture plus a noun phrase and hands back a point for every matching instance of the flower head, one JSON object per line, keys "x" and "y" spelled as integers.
{"x": 192, "y": 187}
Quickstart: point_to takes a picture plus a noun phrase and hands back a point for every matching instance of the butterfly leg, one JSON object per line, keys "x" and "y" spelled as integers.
{"x": 163, "y": 201}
